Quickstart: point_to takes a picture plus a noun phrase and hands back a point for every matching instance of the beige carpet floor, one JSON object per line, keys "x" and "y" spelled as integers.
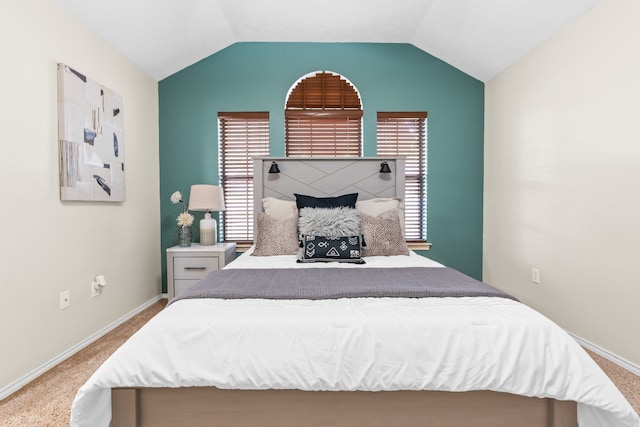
{"x": 46, "y": 401}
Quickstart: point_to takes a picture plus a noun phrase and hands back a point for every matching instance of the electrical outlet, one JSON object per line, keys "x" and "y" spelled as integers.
{"x": 535, "y": 275}
{"x": 65, "y": 299}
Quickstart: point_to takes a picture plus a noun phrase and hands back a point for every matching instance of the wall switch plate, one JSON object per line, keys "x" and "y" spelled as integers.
{"x": 65, "y": 299}
{"x": 97, "y": 285}
{"x": 535, "y": 275}
{"x": 95, "y": 290}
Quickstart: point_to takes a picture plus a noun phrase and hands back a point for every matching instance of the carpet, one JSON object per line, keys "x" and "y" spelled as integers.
{"x": 46, "y": 401}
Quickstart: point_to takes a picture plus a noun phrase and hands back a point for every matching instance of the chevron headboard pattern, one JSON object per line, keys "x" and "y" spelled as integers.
{"x": 326, "y": 177}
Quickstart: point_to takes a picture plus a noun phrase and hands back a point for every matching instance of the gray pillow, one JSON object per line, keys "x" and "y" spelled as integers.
{"x": 383, "y": 235}
{"x": 334, "y": 222}
{"x": 276, "y": 237}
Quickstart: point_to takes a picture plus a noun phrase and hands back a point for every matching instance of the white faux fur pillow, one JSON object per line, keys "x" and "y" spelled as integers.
{"x": 329, "y": 222}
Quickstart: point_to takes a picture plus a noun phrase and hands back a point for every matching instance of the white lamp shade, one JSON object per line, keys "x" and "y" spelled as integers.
{"x": 205, "y": 197}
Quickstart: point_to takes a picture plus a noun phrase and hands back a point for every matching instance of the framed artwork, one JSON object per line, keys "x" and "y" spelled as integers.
{"x": 90, "y": 139}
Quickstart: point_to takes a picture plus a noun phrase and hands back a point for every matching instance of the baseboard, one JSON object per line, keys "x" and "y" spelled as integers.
{"x": 631, "y": 367}
{"x": 21, "y": 382}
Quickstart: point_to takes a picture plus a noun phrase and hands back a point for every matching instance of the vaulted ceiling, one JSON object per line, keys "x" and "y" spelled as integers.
{"x": 479, "y": 37}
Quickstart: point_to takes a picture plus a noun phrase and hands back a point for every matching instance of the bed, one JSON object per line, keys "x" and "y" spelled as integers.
{"x": 310, "y": 357}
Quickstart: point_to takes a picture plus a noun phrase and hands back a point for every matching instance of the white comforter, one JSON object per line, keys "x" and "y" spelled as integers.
{"x": 453, "y": 344}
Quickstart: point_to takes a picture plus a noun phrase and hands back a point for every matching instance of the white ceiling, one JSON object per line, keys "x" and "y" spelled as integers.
{"x": 480, "y": 37}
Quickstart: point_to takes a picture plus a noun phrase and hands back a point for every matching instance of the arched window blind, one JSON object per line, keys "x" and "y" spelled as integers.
{"x": 404, "y": 134}
{"x": 242, "y": 136}
{"x": 323, "y": 117}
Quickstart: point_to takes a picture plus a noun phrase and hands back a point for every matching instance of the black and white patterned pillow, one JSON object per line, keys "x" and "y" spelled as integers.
{"x": 331, "y": 249}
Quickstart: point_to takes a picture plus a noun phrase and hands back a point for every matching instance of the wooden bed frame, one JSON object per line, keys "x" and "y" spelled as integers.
{"x": 210, "y": 406}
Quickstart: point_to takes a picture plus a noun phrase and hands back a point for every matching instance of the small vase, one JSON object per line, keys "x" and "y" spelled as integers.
{"x": 184, "y": 236}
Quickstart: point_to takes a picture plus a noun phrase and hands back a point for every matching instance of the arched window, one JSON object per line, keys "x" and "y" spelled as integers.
{"x": 323, "y": 117}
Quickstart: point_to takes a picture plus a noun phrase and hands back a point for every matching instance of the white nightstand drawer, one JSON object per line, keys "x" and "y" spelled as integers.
{"x": 194, "y": 267}
{"x": 183, "y": 285}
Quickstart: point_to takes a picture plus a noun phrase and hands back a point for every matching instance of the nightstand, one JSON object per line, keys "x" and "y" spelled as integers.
{"x": 186, "y": 266}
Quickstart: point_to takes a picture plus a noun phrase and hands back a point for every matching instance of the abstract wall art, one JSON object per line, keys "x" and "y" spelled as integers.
{"x": 90, "y": 139}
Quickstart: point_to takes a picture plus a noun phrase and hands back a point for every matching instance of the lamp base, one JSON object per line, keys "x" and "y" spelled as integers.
{"x": 208, "y": 227}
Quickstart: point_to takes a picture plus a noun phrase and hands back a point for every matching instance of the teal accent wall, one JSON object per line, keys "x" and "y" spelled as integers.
{"x": 389, "y": 77}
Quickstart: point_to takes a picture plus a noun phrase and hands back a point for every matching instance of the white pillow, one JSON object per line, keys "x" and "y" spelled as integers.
{"x": 278, "y": 209}
{"x": 374, "y": 207}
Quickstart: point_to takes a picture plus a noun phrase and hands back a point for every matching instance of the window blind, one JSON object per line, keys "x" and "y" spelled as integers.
{"x": 332, "y": 133}
{"x": 324, "y": 91}
{"x": 242, "y": 136}
{"x": 404, "y": 134}
{"x": 323, "y": 117}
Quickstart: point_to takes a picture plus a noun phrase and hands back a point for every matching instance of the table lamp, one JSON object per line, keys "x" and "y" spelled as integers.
{"x": 207, "y": 198}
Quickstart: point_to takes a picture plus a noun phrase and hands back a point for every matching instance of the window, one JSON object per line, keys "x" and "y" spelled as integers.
{"x": 242, "y": 136}
{"x": 323, "y": 117}
{"x": 404, "y": 135}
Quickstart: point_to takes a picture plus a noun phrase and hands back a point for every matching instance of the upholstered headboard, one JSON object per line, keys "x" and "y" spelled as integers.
{"x": 326, "y": 177}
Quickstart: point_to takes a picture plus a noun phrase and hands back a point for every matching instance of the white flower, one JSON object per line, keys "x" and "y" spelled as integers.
{"x": 176, "y": 197}
{"x": 185, "y": 219}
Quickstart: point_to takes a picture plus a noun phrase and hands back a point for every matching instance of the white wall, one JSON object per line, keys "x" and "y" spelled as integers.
{"x": 48, "y": 246}
{"x": 562, "y": 178}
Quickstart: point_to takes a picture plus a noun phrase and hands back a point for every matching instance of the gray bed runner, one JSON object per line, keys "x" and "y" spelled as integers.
{"x": 333, "y": 283}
